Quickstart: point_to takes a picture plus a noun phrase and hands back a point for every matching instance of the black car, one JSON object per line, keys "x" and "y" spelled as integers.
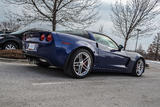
{"x": 14, "y": 40}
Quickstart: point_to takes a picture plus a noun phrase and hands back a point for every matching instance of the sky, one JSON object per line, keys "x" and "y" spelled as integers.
{"x": 105, "y": 21}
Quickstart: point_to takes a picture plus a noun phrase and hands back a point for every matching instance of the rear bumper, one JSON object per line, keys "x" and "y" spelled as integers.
{"x": 43, "y": 52}
{"x": 32, "y": 57}
{"x": 54, "y": 55}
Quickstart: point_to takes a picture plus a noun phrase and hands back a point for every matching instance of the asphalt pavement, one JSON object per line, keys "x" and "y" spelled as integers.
{"x": 25, "y": 85}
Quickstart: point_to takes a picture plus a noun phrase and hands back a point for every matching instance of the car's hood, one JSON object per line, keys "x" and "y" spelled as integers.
{"x": 3, "y": 35}
{"x": 7, "y": 35}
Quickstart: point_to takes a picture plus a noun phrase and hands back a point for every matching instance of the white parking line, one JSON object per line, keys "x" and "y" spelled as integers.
{"x": 92, "y": 81}
{"x": 66, "y": 82}
{"x": 70, "y": 82}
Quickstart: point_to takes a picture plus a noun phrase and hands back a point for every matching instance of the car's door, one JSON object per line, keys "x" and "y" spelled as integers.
{"x": 109, "y": 55}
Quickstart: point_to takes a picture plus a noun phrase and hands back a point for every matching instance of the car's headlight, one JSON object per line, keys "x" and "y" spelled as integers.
{"x": 1, "y": 37}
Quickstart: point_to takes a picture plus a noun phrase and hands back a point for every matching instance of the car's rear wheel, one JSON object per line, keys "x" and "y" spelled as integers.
{"x": 80, "y": 64}
{"x": 10, "y": 46}
{"x": 139, "y": 68}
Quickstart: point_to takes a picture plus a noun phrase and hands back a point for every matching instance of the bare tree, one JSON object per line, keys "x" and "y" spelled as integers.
{"x": 134, "y": 14}
{"x": 68, "y": 13}
{"x": 154, "y": 48}
{"x": 11, "y": 24}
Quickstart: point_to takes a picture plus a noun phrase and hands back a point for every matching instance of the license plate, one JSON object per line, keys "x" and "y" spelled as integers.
{"x": 32, "y": 47}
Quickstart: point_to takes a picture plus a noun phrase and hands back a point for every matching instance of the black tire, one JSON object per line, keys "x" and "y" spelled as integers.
{"x": 42, "y": 64}
{"x": 69, "y": 70}
{"x": 135, "y": 72}
{"x": 7, "y": 44}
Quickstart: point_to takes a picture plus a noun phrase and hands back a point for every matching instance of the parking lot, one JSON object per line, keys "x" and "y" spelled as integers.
{"x": 25, "y": 85}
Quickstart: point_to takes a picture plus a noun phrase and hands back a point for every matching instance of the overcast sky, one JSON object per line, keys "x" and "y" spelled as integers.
{"x": 105, "y": 21}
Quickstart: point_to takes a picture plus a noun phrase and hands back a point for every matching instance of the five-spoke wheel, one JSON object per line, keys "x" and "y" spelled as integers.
{"x": 80, "y": 64}
{"x": 139, "y": 68}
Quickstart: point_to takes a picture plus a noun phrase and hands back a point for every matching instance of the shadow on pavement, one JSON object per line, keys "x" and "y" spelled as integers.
{"x": 56, "y": 72}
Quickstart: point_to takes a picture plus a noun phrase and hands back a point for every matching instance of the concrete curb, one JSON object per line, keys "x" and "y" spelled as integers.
{"x": 13, "y": 60}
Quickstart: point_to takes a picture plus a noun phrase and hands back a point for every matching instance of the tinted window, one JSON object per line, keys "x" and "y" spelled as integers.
{"x": 105, "y": 41}
{"x": 77, "y": 33}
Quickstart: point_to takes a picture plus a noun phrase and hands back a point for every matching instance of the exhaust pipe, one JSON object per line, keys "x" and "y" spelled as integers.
{"x": 32, "y": 60}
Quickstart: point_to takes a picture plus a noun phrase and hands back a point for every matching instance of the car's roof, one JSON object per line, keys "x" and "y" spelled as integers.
{"x": 84, "y": 33}
{"x": 81, "y": 33}
{"x": 32, "y": 29}
{"x": 98, "y": 33}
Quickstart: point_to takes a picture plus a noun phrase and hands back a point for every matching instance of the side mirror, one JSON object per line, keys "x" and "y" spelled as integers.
{"x": 120, "y": 47}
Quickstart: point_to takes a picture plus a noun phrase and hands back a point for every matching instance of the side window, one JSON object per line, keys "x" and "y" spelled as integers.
{"x": 105, "y": 41}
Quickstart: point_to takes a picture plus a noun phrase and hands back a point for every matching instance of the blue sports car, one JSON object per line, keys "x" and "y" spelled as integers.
{"x": 79, "y": 52}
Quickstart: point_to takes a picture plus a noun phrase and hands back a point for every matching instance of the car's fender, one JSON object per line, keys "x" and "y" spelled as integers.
{"x": 81, "y": 45}
{"x": 134, "y": 57}
{"x": 71, "y": 43}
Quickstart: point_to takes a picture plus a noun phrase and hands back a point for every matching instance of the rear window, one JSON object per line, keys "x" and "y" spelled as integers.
{"x": 77, "y": 33}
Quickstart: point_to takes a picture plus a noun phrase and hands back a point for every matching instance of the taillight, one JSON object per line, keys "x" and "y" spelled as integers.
{"x": 49, "y": 38}
{"x": 42, "y": 37}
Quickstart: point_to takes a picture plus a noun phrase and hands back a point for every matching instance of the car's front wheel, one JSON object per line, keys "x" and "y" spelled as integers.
{"x": 139, "y": 68}
{"x": 80, "y": 64}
